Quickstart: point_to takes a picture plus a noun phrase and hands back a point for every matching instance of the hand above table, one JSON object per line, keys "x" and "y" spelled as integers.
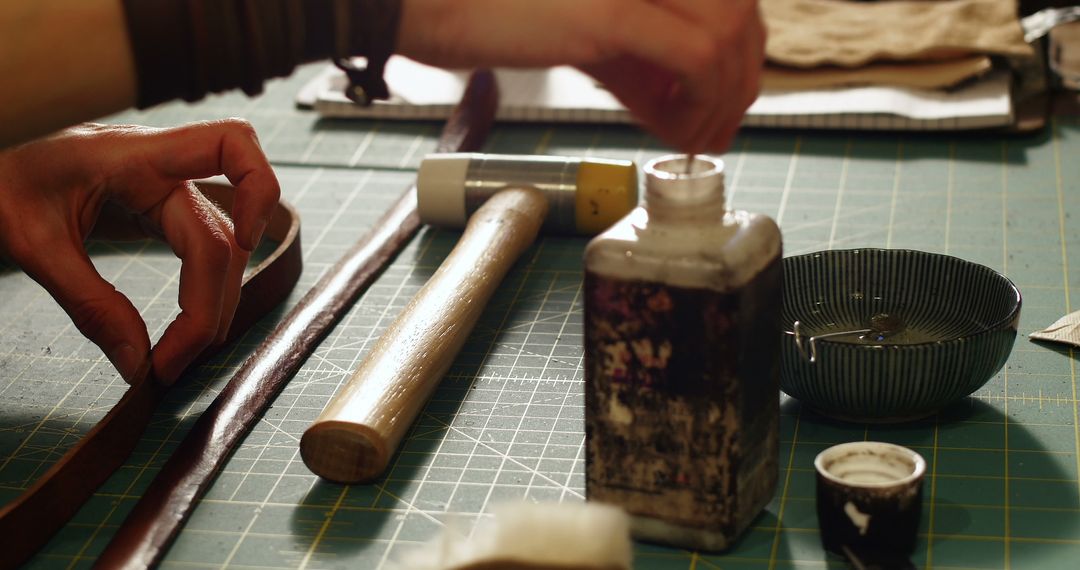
{"x": 686, "y": 69}
{"x": 133, "y": 182}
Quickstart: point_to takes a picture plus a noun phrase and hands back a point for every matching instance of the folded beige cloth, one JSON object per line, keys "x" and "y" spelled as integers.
{"x": 810, "y": 33}
{"x": 920, "y": 75}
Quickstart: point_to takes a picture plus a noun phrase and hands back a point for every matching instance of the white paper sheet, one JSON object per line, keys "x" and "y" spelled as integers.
{"x": 565, "y": 94}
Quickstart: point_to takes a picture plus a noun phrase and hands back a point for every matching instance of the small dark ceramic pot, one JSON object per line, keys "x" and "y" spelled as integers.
{"x": 869, "y": 498}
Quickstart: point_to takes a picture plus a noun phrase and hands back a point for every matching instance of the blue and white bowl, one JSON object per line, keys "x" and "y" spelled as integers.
{"x": 892, "y": 335}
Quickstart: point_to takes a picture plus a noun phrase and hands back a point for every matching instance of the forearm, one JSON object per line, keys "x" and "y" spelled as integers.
{"x": 74, "y": 60}
{"x": 64, "y": 62}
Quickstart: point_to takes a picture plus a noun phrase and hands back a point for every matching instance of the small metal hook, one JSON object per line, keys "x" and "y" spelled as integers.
{"x": 809, "y": 352}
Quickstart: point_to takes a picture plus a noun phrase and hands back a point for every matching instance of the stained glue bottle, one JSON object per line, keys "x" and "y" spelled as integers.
{"x": 682, "y": 333}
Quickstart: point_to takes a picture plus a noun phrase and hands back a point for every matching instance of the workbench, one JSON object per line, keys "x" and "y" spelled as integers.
{"x": 507, "y": 423}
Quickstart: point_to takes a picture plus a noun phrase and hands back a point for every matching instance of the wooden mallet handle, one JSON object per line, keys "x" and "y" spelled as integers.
{"x": 355, "y": 436}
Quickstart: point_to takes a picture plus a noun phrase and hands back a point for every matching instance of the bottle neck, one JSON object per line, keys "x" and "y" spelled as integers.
{"x": 673, "y": 190}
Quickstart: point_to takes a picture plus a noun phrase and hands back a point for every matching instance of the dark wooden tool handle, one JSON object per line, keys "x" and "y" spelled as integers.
{"x": 149, "y": 529}
{"x": 32, "y": 518}
{"x": 355, "y": 436}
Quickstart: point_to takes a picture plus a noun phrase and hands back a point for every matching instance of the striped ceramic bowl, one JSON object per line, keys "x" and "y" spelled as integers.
{"x": 892, "y": 335}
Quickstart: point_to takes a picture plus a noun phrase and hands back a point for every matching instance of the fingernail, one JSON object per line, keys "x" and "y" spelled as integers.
{"x": 256, "y": 235}
{"x": 131, "y": 365}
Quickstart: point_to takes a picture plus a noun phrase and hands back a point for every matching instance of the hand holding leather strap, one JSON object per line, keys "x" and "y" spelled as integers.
{"x": 145, "y": 536}
{"x": 31, "y": 519}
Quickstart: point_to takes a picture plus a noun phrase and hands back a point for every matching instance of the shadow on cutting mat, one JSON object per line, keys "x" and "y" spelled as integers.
{"x": 990, "y": 476}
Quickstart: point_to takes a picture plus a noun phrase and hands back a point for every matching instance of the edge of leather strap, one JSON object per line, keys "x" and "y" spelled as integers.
{"x": 31, "y": 519}
{"x": 149, "y": 529}
{"x": 267, "y": 284}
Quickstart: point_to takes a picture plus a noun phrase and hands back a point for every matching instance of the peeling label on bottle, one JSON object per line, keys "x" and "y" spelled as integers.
{"x": 681, "y": 391}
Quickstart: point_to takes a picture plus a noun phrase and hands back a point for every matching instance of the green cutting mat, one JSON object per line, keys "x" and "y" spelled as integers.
{"x": 1002, "y": 489}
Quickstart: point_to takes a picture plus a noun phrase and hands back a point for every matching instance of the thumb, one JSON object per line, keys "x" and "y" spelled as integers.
{"x": 104, "y": 315}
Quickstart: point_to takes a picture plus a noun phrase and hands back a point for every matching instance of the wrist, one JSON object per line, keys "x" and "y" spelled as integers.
{"x": 368, "y": 28}
{"x": 188, "y": 48}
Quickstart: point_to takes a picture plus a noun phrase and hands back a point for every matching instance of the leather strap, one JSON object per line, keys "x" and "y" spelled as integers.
{"x": 31, "y": 519}
{"x": 150, "y": 528}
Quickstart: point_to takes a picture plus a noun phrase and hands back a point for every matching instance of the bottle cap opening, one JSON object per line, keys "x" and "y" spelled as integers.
{"x": 673, "y": 166}
{"x": 667, "y": 178}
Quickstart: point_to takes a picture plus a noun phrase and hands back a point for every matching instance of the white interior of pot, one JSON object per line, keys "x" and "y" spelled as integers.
{"x": 870, "y": 464}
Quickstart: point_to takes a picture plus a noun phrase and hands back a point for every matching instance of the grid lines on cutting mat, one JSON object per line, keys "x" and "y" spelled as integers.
{"x": 506, "y": 423}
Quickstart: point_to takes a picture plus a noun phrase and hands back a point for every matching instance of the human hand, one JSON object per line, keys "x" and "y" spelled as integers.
{"x": 55, "y": 190}
{"x": 686, "y": 69}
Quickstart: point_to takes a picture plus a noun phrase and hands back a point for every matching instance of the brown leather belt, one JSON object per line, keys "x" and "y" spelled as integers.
{"x": 31, "y": 519}
{"x": 149, "y": 529}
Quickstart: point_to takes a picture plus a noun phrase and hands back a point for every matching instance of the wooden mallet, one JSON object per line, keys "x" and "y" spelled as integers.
{"x": 505, "y": 201}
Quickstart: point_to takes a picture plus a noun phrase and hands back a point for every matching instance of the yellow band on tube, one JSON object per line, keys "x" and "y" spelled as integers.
{"x": 607, "y": 190}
